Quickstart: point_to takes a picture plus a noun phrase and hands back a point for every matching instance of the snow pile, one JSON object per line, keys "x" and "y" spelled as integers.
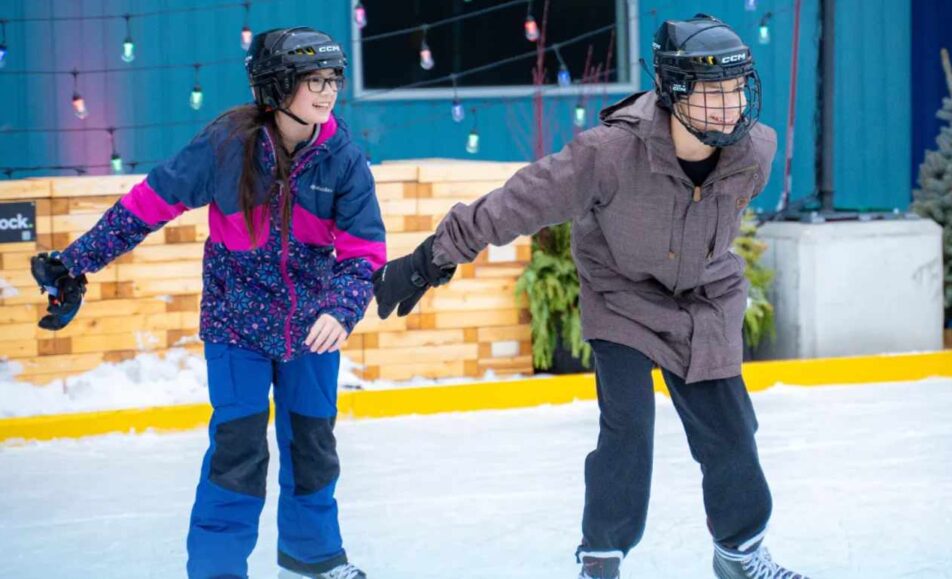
{"x": 177, "y": 377}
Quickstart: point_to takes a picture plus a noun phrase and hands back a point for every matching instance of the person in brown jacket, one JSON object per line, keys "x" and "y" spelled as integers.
{"x": 655, "y": 194}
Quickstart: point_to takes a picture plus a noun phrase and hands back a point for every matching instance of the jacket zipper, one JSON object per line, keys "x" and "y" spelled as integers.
{"x": 696, "y": 198}
{"x": 285, "y": 248}
{"x": 285, "y": 252}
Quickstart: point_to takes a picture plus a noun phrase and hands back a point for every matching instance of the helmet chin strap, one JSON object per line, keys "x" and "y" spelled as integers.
{"x": 294, "y": 116}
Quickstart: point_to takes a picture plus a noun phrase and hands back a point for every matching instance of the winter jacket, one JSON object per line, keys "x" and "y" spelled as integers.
{"x": 653, "y": 250}
{"x": 264, "y": 299}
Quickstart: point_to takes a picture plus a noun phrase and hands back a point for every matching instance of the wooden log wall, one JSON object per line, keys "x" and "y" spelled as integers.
{"x": 148, "y": 300}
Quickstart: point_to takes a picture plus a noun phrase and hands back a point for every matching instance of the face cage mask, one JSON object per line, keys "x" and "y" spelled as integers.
{"x": 695, "y": 117}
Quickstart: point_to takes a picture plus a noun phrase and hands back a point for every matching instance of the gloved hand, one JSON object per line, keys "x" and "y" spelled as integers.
{"x": 403, "y": 281}
{"x": 65, "y": 291}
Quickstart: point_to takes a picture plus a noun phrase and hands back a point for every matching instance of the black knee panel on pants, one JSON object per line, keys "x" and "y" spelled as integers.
{"x": 240, "y": 461}
{"x": 313, "y": 453}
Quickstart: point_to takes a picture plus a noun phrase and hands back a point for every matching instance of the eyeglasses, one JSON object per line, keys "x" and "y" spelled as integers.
{"x": 318, "y": 84}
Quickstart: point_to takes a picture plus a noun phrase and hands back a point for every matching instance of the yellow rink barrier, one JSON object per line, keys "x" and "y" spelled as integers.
{"x": 485, "y": 395}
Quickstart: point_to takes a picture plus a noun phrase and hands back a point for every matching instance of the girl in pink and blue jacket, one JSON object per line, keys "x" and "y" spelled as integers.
{"x": 295, "y": 236}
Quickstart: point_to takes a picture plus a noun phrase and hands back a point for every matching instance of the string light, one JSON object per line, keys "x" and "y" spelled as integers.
{"x": 128, "y": 46}
{"x": 426, "y": 55}
{"x": 472, "y": 141}
{"x": 79, "y": 104}
{"x": 564, "y": 78}
{"x": 130, "y": 165}
{"x": 360, "y": 15}
{"x": 187, "y": 7}
{"x": 115, "y": 160}
{"x": 81, "y": 111}
{"x": 750, "y": 5}
{"x": 437, "y": 23}
{"x": 196, "y": 98}
{"x": 458, "y": 112}
{"x": 764, "y": 36}
{"x": 3, "y": 43}
{"x": 532, "y": 29}
{"x": 246, "y": 33}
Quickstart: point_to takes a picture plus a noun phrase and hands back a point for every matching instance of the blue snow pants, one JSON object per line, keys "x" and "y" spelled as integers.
{"x": 224, "y": 524}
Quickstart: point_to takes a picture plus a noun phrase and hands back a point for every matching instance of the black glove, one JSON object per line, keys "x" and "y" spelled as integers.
{"x": 65, "y": 291}
{"x": 403, "y": 281}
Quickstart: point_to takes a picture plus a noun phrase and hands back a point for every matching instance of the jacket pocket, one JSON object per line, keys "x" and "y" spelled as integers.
{"x": 653, "y": 309}
{"x": 221, "y": 387}
{"x": 236, "y": 375}
{"x": 732, "y": 197}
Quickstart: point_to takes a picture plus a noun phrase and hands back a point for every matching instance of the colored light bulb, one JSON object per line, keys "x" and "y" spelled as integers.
{"x": 458, "y": 112}
{"x": 472, "y": 142}
{"x": 580, "y": 116}
{"x": 565, "y": 79}
{"x": 128, "y": 50}
{"x": 79, "y": 106}
{"x": 196, "y": 98}
{"x": 426, "y": 57}
{"x": 532, "y": 29}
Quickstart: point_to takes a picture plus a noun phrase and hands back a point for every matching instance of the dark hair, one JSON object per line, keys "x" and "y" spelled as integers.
{"x": 247, "y": 122}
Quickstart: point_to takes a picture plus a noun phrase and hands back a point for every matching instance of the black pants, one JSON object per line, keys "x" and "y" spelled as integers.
{"x": 719, "y": 421}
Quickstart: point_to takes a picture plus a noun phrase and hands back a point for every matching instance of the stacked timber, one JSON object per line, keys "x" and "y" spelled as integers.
{"x": 148, "y": 300}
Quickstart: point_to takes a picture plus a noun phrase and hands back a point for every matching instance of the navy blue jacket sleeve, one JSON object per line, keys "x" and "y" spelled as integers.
{"x": 359, "y": 242}
{"x": 170, "y": 189}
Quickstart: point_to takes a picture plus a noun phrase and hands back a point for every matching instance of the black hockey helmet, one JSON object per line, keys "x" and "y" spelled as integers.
{"x": 704, "y": 49}
{"x": 277, "y": 58}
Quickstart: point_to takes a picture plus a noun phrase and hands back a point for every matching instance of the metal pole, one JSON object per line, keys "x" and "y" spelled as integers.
{"x": 826, "y": 134}
{"x": 791, "y": 112}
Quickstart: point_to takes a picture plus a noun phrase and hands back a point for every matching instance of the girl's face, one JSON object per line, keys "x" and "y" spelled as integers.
{"x": 715, "y": 106}
{"x": 315, "y": 96}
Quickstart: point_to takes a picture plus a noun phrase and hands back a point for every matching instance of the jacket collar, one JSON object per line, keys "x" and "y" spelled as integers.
{"x": 332, "y": 136}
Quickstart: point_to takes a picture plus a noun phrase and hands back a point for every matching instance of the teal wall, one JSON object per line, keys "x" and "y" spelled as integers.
{"x": 872, "y": 122}
{"x": 872, "y": 96}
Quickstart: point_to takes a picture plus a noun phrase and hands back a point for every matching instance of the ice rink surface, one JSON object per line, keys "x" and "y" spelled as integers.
{"x": 861, "y": 478}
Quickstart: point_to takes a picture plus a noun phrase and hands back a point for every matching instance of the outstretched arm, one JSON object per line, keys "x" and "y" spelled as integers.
{"x": 552, "y": 190}
{"x": 170, "y": 189}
